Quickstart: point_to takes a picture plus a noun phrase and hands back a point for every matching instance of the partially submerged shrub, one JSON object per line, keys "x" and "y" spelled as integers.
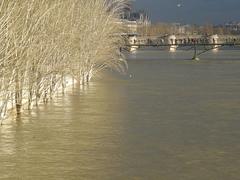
{"x": 42, "y": 42}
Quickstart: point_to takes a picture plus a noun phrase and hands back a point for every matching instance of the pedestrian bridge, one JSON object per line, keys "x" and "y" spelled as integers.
{"x": 198, "y": 43}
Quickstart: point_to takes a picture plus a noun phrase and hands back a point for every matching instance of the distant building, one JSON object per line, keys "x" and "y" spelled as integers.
{"x": 134, "y": 20}
{"x": 233, "y": 27}
{"x": 178, "y": 28}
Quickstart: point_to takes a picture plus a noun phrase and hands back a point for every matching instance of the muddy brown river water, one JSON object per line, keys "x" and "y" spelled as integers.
{"x": 169, "y": 118}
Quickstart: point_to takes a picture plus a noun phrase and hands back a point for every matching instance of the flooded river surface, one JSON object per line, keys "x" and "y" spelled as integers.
{"x": 169, "y": 118}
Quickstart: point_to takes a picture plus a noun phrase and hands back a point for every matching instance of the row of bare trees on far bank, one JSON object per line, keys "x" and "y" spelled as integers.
{"x": 44, "y": 42}
{"x": 168, "y": 28}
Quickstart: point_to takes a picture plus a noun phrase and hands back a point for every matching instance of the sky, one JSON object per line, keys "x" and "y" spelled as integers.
{"x": 191, "y": 11}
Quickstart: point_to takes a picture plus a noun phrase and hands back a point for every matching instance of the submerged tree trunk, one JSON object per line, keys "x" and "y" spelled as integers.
{"x": 18, "y": 95}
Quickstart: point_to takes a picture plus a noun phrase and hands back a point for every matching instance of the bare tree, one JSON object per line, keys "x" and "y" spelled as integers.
{"x": 44, "y": 43}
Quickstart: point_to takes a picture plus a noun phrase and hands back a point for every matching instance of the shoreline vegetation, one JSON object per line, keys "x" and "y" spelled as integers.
{"x": 187, "y": 29}
{"x": 45, "y": 44}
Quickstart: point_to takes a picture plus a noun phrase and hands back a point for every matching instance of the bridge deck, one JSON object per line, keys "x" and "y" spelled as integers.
{"x": 183, "y": 45}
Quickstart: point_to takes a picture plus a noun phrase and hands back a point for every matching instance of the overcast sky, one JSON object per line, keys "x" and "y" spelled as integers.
{"x": 191, "y": 11}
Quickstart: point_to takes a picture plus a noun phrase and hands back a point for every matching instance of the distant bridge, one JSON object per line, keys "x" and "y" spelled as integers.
{"x": 207, "y": 43}
{"x": 206, "y": 47}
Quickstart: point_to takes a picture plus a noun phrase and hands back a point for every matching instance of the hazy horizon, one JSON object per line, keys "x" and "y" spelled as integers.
{"x": 190, "y": 11}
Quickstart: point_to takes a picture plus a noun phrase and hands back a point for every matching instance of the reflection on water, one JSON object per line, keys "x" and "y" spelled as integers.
{"x": 172, "y": 118}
